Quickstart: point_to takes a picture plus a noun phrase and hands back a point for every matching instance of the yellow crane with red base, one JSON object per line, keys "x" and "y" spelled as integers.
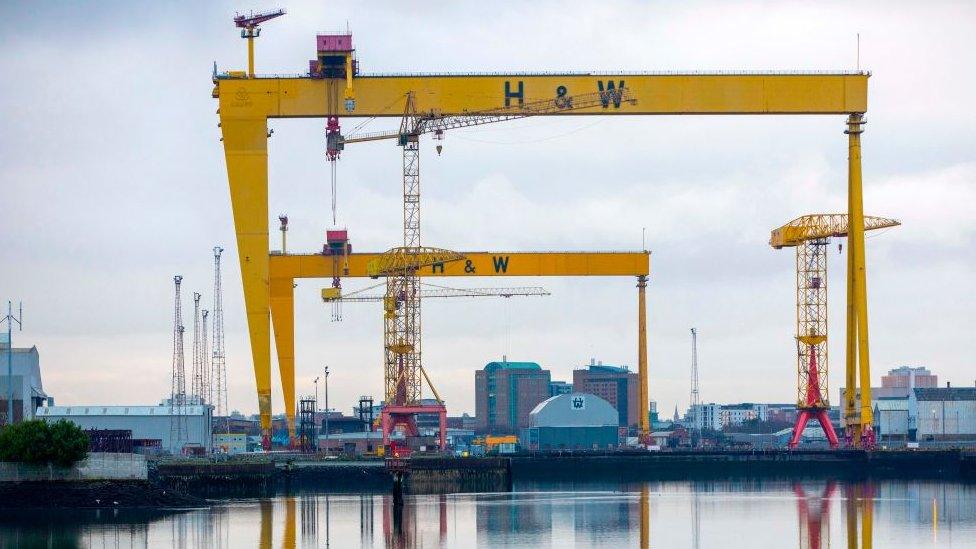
{"x": 810, "y": 235}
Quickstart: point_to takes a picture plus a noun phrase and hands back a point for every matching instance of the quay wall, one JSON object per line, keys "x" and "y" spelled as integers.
{"x": 97, "y": 466}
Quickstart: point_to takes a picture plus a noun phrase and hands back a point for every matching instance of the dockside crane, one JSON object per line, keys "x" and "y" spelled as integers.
{"x": 810, "y": 235}
{"x": 246, "y": 103}
{"x": 403, "y": 367}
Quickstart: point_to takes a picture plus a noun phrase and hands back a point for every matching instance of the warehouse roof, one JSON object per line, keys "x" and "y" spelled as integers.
{"x": 573, "y": 410}
{"x": 945, "y": 393}
{"x": 68, "y": 411}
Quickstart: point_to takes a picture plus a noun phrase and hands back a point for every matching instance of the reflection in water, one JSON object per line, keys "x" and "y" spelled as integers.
{"x": 728, "y": 514}
{"x": 814, "y": 515}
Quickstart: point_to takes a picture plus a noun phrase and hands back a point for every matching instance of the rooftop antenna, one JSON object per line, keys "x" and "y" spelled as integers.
{"x": 250, "y": 29}
{"x": 644, "y": 238}
{"x": 10, "y": 319}
{"x": 859, "y": 52}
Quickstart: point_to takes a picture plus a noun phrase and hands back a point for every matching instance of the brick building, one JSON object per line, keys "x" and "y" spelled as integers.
{"x": 505, "y": 393}
{"x": 615, "y": 384}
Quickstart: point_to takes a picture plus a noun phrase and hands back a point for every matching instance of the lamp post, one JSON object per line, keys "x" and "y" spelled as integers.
{"x": 316, "y": 381}
{"x": 326, "y": 370}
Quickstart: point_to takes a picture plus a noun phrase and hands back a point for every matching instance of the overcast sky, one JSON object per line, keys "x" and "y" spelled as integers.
{"x": 113, "y": 180}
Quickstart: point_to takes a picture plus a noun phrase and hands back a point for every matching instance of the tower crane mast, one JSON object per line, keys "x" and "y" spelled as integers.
{"x": 810, "y": 235}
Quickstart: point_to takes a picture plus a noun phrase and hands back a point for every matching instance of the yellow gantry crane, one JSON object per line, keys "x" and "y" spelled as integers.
{"x": 246, "y": 103}
{"x": 810, "y": 235}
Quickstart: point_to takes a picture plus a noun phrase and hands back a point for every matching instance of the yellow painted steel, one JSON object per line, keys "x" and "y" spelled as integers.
{"x": 856, "y": 249}
{"x": 250, "y": 54}
{"x": 645, "y": 520}
{"x": 851, "y": 421}
{"x": 283, "y": 319}
{"x": 813, "y": 226}
{"x": 644, "y": 422}
{"x": 246, "y": 154}
{"x": 245, "y": 104}
{"x": 782, "y": 93}
{"x": 285, "y": 268}
{"x": 477, "y": 264}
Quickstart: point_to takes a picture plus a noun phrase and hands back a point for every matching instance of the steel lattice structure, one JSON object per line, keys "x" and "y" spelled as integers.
{"x": 811, "y": 324}
{"x": 218, "y": 364}
{"x": 196, "y": 375}
{"x": 810, "y": 235}
{"x": 177, "y": 399}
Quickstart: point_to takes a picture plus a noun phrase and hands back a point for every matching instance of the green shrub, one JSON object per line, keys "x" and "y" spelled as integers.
{"x": 62, "y": 443}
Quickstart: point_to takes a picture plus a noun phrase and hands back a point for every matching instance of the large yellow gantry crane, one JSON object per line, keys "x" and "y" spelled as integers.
{"x": 810, "y": 235}
{"x": 246, "y": 104}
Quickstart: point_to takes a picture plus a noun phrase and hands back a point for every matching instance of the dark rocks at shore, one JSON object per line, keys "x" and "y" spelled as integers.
{"x": 91, "y": 495}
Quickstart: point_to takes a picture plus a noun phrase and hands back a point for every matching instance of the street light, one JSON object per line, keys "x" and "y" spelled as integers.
{"x": 326, "y": 370}
{"x": 316, "y": 381}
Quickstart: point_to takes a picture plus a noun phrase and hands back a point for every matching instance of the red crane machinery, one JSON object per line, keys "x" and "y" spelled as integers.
{"x": 810, "y": 235}
{"x": 250, "y": 29}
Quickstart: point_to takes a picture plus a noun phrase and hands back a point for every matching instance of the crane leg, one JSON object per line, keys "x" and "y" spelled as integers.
{"x": 851, "y": 423}
{"x": 643, "y": 421}
{"x": 283, "y": 320}
{"x": 855, "y": 124}
{"x": 246, "y": 153}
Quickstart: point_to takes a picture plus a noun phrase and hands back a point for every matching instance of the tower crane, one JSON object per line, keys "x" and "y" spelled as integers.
{"x": 810, "y": 235}
{"x": 403, "y": 366}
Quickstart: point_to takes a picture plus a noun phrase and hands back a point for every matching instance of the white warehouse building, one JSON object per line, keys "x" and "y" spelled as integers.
{"x": 146, "y": 422}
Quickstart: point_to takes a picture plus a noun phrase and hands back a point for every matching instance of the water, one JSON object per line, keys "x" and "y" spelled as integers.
{"x": 727, "y": 515}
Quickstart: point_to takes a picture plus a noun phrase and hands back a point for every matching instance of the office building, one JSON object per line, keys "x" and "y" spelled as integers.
{"x": 151, "y": 426}
{"x": 614, "y": 384}
{"x": 505, "y": 394}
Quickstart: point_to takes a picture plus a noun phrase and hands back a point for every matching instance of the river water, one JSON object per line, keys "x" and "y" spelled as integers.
{"x": 720, "y": 514}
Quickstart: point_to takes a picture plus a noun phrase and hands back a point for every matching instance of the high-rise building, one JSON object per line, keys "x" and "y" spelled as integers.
{"x": 505, "y": 393}
{"x": 615, "y": 384}
{"x": 906, "y": 376}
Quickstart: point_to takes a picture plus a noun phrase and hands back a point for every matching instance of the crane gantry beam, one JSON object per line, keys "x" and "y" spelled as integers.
{"x": 688, "y": 93}
{"x": 284, "y": 269}
{"x": 247, "y": 102}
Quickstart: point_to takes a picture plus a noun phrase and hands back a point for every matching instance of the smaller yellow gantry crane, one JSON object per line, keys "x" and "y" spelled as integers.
{"x": 810, "y": 235}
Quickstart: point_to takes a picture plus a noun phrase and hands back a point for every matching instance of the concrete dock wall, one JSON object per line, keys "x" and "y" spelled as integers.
{"x": 97, "y": 466}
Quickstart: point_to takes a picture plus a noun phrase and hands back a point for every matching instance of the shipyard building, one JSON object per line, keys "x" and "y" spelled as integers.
{"x": 505, "y": 394}
{"x": 28, "y": 390}
{"x": 163, "y": 428}
{"x": 572, "y": 421}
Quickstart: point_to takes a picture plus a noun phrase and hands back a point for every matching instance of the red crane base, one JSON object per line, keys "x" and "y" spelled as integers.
{"x": 820, "y": 414}
{"x": 405, "y": 416}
